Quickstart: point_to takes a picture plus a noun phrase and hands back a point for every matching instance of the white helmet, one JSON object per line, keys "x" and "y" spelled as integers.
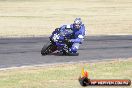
{"x": 77, "y": 23}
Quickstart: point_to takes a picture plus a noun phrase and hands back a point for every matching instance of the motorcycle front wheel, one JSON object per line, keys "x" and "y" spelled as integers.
{"x": 48, "y": 49}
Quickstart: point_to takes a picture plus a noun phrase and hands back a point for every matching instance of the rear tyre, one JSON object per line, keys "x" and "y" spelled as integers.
{"x": 73, "y": 54}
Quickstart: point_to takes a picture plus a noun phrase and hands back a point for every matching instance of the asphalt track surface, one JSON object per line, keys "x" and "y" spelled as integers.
{"x": 16, "y": 52}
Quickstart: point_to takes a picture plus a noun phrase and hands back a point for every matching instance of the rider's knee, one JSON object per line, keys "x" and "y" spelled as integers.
{"x": 73, "y": 49}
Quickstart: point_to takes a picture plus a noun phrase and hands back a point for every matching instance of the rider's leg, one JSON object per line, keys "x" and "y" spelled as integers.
{"x": 74, "y": 48}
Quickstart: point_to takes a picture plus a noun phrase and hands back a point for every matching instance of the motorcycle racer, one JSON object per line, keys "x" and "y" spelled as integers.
{"x": 78, "y": 33}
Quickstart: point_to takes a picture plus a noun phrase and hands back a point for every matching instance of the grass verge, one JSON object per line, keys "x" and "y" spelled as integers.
{"x": 64, "y": 76}
{"x": 20, "y": 18}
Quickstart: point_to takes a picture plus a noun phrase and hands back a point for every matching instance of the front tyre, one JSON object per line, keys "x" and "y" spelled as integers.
{"x": 48, "y": 48}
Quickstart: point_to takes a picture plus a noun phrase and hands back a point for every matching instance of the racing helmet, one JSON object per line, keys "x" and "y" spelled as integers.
{"x": 77, "y": 23}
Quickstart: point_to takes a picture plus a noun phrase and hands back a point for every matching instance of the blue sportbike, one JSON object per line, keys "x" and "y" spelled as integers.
{"x": 58, "y": 41}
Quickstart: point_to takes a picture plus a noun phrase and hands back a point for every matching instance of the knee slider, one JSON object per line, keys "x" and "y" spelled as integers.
{"x": 73, "y": 49}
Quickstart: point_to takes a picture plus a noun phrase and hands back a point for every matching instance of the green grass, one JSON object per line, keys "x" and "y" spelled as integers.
{"x": 64, "y": 76}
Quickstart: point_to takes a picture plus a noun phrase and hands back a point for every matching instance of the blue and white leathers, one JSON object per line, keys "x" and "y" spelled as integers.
{"x": 78, "y": 36}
